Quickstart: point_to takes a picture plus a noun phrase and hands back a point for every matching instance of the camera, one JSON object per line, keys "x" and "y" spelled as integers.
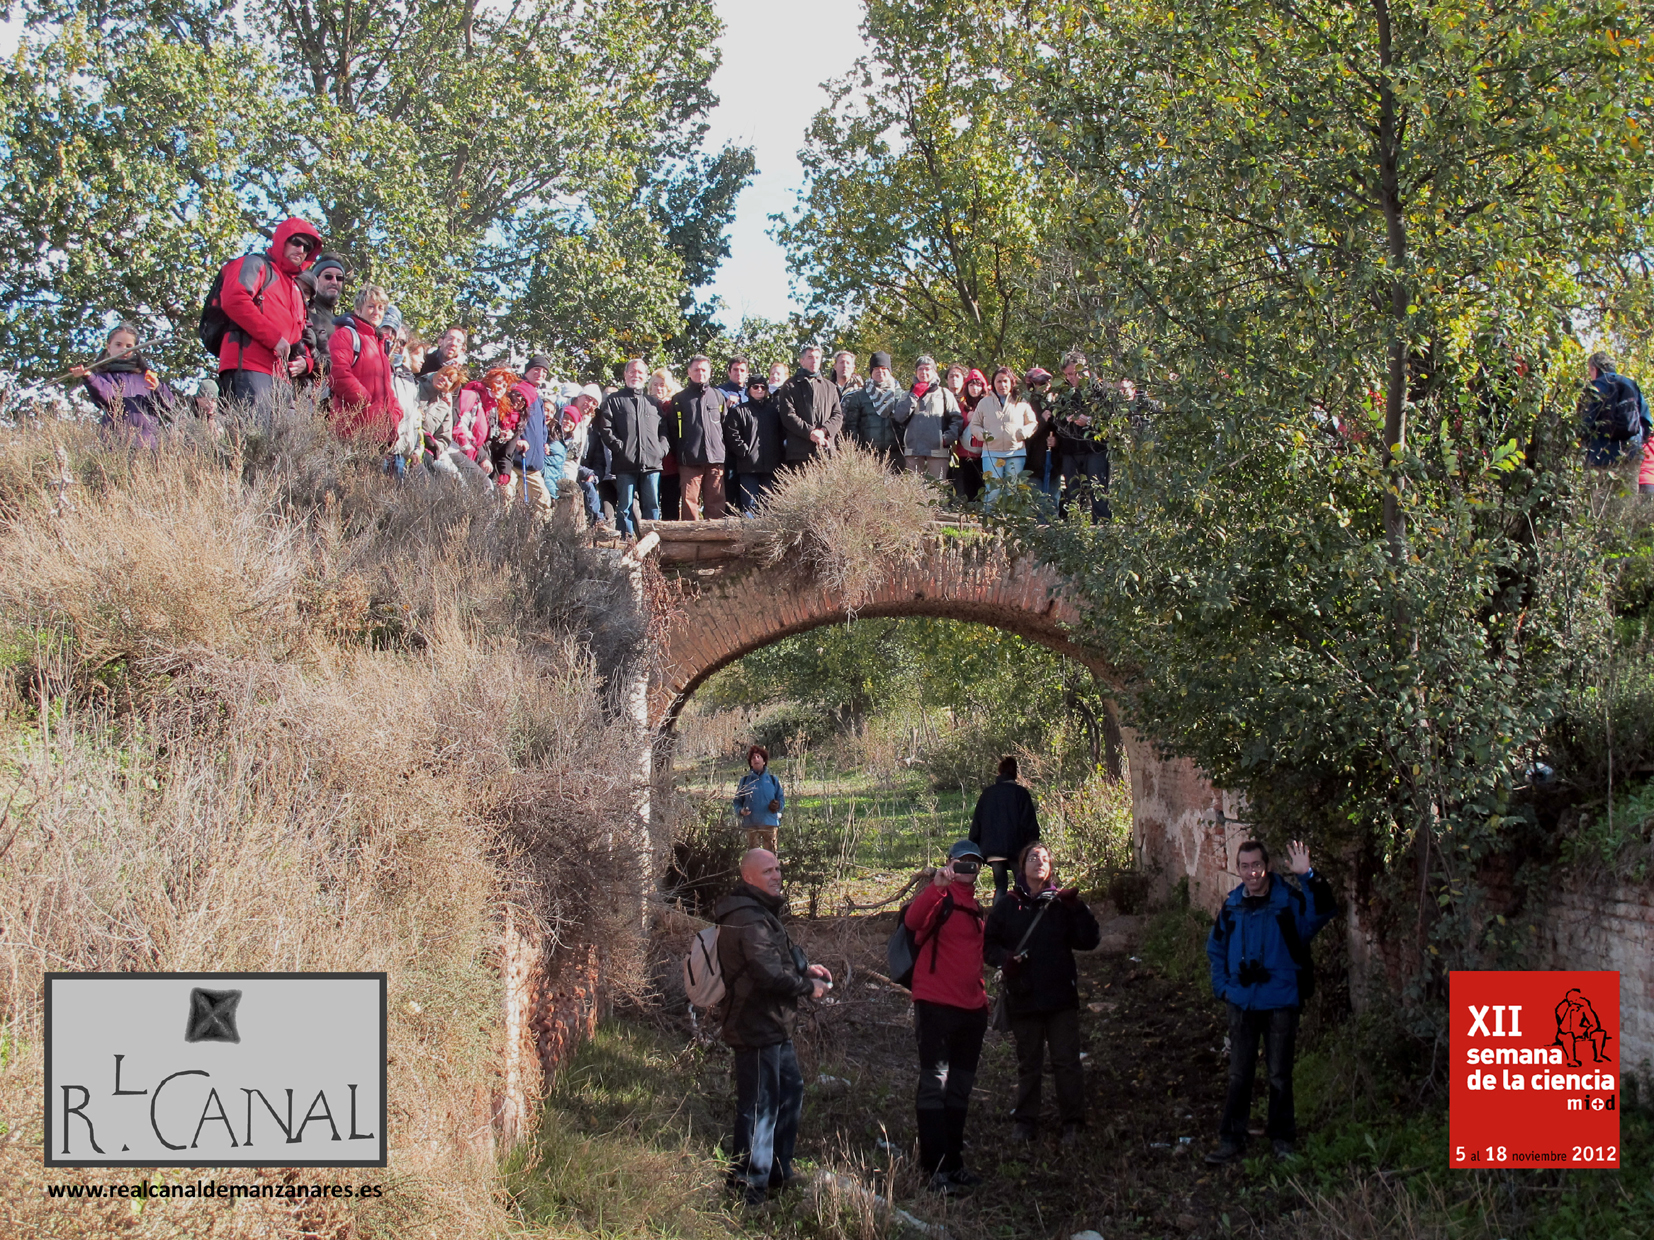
{"x": 966, "y": 869}
{"x": 1253, "y": 973}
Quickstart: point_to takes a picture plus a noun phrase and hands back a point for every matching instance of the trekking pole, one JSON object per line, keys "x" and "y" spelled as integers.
{"x": 138, "y": 349}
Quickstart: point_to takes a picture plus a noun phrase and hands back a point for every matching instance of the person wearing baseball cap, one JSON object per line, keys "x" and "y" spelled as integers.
{"x": 1043, "y": 460}
{"x": 950, "y": 1013}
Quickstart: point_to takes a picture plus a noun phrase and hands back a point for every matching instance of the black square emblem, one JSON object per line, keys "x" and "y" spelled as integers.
{"x": 212, "y": 1016}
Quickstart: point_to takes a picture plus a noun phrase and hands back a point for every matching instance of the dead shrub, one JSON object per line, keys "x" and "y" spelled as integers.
{"x": 845, "y": 521}
{"x": 268, "y": 711}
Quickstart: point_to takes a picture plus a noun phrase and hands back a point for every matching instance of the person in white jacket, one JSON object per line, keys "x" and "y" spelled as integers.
{"x": 1005, "y": 422}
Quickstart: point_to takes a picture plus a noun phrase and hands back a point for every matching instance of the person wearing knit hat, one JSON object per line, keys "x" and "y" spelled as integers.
{"x": 322, "y": 282}
{"x": 537, "y": 362}
{"x": 867, "y": 410}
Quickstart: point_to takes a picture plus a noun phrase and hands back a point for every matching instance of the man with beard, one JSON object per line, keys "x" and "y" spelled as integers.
{"x": 322, "y": 285}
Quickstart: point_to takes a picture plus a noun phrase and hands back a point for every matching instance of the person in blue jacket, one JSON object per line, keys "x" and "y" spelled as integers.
{"x": 759, "y": 801}
{"x": 1259, "y": 953}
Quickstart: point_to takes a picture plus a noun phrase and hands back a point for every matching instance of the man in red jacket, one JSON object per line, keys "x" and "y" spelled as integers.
{"x": 263, "y": 299}
{"x": 950, "y": 1013}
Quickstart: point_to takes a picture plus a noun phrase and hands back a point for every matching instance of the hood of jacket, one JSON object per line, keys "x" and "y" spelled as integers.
{"x": 745, "y": 895}
{"x": 293, "y": 226}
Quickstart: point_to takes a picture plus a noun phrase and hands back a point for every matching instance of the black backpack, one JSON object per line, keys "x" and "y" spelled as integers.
{"x": 1616, "y": 413}
{"x": 215, "y": 321}
{"x": 901, "y": 953}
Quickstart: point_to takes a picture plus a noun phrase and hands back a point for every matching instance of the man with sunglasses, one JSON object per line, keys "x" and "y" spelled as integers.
{"x": 753, "y": 437}
{"x": 267, "y": 312}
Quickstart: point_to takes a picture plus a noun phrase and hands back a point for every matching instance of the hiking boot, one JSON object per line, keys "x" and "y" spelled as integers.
{"x": 964, "y": 1178}
{"x": 1227, "y": 1152}
{"x": 1071, "y": 1134}
{"x": 780, "y": 1183}
{"x": 754, "y": 1199}
{"x": 1022, "y": 1131}
{"x": 941, "y": 1182}
{"x": 1283, "y": 1149}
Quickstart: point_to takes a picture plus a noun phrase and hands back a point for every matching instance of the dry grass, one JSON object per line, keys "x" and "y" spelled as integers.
{"x": 263, "y": 711}
{"x": 845, "y": 521}
{"x": 1377, "y": 1207}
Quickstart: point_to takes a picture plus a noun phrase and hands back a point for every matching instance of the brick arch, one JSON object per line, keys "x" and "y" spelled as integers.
{"x": 1183, "y": 827}
{"x": 744, "y": 608}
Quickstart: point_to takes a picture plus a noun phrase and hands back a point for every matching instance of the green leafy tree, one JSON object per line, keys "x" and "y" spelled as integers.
{"x": 921, "y": 208}
{"x": 1348, "y": 242}
{"x": 503, "y": 168}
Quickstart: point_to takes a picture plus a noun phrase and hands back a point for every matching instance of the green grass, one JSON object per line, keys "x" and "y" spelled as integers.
{"x": 623, "y": 1147}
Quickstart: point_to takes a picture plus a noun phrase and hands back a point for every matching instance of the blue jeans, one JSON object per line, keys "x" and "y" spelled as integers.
{"x": 646, "y": 487}
{"x": 753, "y": 488}
{"x": 587, "y": 481}
{"x": 769, "y": 1099}
{"x": 1003, "y": 469}
{"x": 252, "y": 386}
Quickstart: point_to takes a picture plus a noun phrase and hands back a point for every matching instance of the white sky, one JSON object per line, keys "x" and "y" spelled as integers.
{"x": 776, "y": 55}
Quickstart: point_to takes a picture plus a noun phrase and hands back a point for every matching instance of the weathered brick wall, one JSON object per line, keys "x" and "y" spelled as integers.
{"x": 1610, "y": 926}
{"x": 551, "y": 1003}
{"x": 1182, "y": 827}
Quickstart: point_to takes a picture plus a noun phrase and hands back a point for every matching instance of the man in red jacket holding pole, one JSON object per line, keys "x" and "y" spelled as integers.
{"x": 262, "y": 298}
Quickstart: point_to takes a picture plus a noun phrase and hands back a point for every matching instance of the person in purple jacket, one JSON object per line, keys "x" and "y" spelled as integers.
{"x": 135, "y": 403}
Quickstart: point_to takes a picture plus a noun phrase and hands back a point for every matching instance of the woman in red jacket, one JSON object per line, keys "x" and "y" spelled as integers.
{"x": 364, "y": 399}
{"x": 950, "y": 1013}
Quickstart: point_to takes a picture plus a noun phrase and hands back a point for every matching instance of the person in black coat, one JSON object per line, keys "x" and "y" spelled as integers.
{"x": 1032, "y": 935}
{"x": 753, "y": 439}
{"x": 629, "y": 424}
{"x": 1004, "y": 822}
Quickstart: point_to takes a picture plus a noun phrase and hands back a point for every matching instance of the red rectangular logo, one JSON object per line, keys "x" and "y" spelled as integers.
{"x": 1536, "y": 1069}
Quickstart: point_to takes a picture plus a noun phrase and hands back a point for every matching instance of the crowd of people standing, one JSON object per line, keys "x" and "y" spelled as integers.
{"x": 1261, "y": 969}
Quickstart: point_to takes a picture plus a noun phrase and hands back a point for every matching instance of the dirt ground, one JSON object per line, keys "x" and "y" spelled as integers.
{"x": 1154, "y": 1082}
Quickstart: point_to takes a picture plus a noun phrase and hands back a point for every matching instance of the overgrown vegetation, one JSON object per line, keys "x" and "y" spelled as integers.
{"x": 843, "y": 522}
{"x": 263, "y": 711}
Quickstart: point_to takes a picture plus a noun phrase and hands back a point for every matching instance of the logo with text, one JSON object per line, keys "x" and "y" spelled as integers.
{"x": 1535, "y": 1069}
{"x": 215, "y": 1070}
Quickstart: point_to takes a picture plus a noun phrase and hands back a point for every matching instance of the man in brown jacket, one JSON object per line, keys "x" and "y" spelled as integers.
{"x": 764, "y": 978}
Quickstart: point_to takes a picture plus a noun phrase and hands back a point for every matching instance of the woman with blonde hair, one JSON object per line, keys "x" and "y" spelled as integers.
{"x": 661, "y": 388}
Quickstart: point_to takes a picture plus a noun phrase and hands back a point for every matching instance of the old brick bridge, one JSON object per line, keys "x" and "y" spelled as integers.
{"x": 1183, "y": 828}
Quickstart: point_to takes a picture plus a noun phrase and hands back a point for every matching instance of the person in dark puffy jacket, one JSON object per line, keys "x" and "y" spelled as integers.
{"x": 134, "y": 401}
{"x": 1613, "y": 414}
{"x": 1031, "y": 936}
{"x": 753, "y": 439}
{"x": 765, "y": 976}
{"x": 267, "y": 310}
{"x": 363, "y": 402}
{"x": 695, "y": 422}
{"x": 950, "y": 1014}
{"x": 628, "y": 423}
{"x": 1004, "y": 822}
{"x": 1261, "y": 968}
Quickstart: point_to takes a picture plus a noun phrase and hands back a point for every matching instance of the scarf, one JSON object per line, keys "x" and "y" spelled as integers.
{"x": 883, "y": 398}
